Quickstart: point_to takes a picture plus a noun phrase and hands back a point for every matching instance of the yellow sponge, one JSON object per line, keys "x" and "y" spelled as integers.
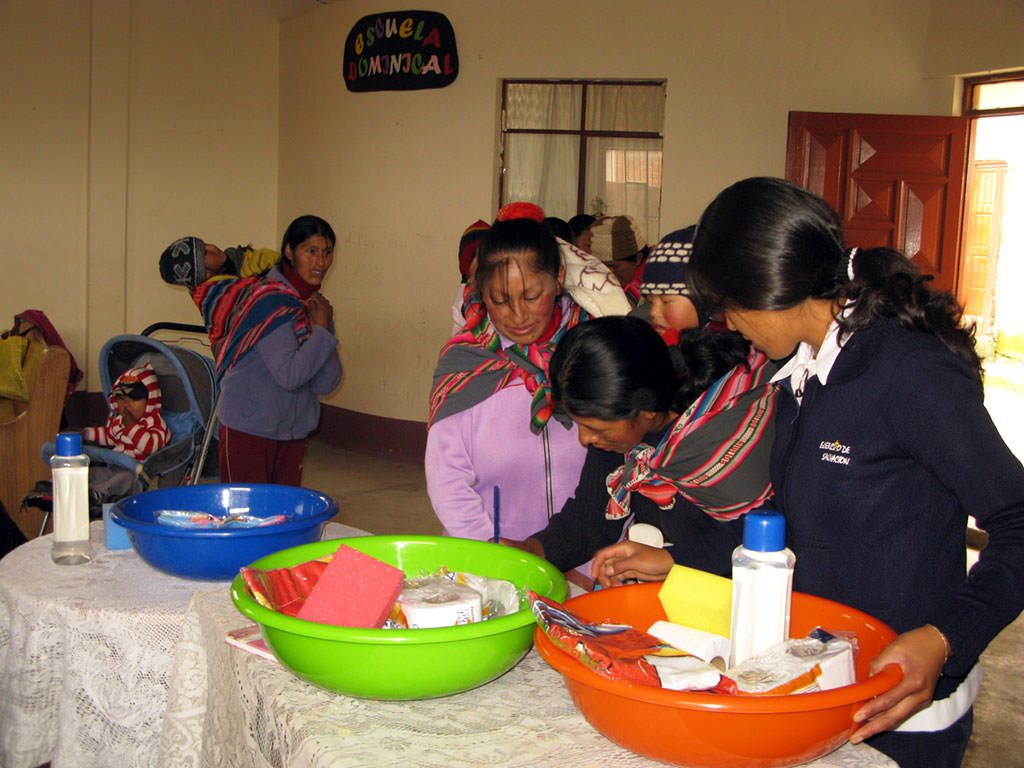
{"x": 697, "y": 599}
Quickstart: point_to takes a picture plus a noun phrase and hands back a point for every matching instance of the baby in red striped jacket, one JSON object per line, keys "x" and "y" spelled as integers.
{"x": 135, "y": 426}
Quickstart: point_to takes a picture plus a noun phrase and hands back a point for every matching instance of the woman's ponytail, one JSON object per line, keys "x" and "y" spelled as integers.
{"x": 887, "y": 284}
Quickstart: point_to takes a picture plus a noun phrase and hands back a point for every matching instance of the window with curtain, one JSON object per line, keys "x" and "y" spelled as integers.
{"x": 584, "y": 146}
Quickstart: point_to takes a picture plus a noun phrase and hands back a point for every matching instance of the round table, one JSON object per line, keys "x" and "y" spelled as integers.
{"x": 86, "y": 654}
{"x": 114, "y": 663}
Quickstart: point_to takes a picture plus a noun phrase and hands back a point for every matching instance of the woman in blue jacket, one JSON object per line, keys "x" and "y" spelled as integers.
{"x": 274, "y": 346}
{"x": 883, "y": 449}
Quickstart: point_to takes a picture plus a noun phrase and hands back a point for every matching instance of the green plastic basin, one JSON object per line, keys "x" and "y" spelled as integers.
{"x": 406, "y": 663}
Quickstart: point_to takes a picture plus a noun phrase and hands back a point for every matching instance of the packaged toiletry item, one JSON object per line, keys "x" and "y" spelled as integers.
{"x": 115, "y": 535}
{"x": 819, "y": 662}
{"x": 762, "y": 586}
{"x": 622, "y": 652}
{"x": 70, "y": 468}
{"x": 707, "y": 646}
{"x": 439, "y": 602}
{"x": 284, "y": 589}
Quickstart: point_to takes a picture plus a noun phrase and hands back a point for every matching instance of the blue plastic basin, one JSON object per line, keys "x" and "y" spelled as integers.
{"x": 217, "y": 555}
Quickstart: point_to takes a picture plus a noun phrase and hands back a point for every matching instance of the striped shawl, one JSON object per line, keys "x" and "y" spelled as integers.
{"x": 715, "y": 455}
{"x": 239, "y": 311}
{"x": 473, "y": 366}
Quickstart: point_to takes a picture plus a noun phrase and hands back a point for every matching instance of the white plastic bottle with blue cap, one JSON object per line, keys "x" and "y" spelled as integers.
{"x": 762, "y": 585}
{"x": 70, "y": 468}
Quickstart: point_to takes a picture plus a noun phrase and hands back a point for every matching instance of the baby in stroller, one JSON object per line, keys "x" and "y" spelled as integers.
{"x": 134, "y": 427}
{"x": 157, "y": 441}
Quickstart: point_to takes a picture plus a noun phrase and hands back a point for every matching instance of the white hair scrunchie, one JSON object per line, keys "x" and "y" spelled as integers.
{"x": 849, "y": 263}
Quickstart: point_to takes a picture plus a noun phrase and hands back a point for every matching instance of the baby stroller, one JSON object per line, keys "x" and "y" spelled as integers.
{"x": 189, "y": 389}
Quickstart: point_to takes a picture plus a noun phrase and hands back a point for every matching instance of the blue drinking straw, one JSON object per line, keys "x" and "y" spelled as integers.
{"x": 497, "y": 506}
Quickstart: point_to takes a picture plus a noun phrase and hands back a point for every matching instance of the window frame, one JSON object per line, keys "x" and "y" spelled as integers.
{"x": 972, "y": 84}
{"x": 580, "y": 131}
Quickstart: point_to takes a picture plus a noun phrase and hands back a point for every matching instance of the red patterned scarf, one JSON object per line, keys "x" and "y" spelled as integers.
{"x": 715, "y": 455}
{"x": 239, "y": 311}
{"x": 473, "y": 365}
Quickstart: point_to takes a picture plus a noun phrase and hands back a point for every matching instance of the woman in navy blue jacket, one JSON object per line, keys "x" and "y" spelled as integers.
{"x": 883, "y": 449}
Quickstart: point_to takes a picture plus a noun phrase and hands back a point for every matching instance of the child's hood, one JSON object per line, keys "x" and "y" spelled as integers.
{"x": 130, "y": 379}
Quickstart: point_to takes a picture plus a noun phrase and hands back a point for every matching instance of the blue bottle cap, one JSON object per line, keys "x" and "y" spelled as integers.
{"x": 764, "y": 530}
{"x": 69, "y": 443}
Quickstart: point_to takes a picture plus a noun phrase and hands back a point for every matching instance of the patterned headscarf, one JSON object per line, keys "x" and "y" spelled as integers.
{"x": 716, "y": 454}
{"x": 473, "y": 366}
{"x": 468, "y": 244}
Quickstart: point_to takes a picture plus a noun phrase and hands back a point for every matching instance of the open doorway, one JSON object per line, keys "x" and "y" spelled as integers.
{"x": 992, "y": 249}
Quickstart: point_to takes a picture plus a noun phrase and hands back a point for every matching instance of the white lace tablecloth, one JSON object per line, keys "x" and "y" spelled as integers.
{"x": 231, "y": 708}
{"x": 86, "y": 654}
{"x": 116, "y": 664}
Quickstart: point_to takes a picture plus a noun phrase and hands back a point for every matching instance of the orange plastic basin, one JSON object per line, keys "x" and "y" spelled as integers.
{"x": 705, "y": 730}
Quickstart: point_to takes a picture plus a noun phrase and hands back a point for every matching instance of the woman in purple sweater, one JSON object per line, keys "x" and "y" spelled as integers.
{"x": 494, "y": 437}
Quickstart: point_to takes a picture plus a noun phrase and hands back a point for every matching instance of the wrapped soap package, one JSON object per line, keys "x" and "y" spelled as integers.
{"x": 448, "y": 598}
{"x": 819, "y": 662}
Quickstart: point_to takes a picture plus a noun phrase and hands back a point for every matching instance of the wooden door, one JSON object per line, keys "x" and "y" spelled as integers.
{"x": 982, "y": 240}
{"x": 895, "y": 180}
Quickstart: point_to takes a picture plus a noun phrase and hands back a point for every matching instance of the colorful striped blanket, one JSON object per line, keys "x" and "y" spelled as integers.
{"x": 239, "y": 311}
{"x": 716, "y": 454}
{"x": 473, "y": 366}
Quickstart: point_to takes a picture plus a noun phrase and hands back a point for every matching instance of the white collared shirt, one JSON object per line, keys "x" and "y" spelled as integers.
{"x": 805, "y": 364}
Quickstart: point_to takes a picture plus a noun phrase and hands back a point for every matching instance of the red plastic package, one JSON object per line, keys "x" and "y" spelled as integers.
{"x": 284, "y": 589}
{"x": 622, "y": 652}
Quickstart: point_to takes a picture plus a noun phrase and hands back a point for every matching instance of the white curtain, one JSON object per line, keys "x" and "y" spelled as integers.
{"x": 541, "y": 168}
{"x": 622, "y": 174}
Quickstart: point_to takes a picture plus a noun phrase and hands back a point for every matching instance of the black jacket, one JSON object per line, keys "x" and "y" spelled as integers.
{"x": 877, "y": 471}
{"x": 573, "y": 535}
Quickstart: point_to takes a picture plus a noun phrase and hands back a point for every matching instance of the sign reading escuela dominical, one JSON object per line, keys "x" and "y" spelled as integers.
{"x": 400, "y": 51}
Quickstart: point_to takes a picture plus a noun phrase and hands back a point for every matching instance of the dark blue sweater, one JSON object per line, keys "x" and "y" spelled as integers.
{"x": 877, "y": 472}
{"x": 581, "y": 528}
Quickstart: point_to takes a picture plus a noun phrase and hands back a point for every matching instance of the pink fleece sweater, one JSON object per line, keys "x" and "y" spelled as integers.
{"x": 470, "y": 452}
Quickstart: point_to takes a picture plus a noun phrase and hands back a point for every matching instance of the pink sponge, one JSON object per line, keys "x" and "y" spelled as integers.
{"x": 355, "y": 590}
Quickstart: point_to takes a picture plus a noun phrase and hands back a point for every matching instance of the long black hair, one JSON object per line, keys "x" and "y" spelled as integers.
{"x": 303, "y": 228}
{"x": 611, "y": 368}
{"x": 767, "y": 244}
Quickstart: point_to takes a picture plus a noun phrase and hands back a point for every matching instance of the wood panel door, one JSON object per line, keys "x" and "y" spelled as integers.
{"x": 984, "y": 226}
{"x": 895, "y": 180}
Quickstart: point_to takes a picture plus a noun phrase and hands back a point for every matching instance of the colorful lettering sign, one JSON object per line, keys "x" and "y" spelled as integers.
{"x": 400, "y": 51}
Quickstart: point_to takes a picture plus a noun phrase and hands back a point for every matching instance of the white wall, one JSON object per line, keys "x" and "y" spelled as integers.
{"x": 401, "y": 174}
{"x": 44, "y": 155}
{"x": 127, "y": 123}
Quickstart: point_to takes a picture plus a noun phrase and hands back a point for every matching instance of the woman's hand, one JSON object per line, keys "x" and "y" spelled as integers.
{"x": 320, "y": 310}
{"x": 920, "y": 653}
{"x": 630, "y": 560}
